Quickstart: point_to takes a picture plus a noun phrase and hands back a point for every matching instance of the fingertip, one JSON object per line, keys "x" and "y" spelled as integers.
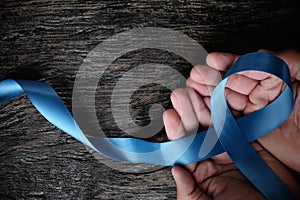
{"x": 165, "y": 115}
{"x": 173, "y": 124}
{"x": 195, "y": 75}
{"x": 203, "y": 74}
{"x": 210, "y": 59}
{"x": 174, "y": 98}
{"x": 174, "y": 170}
{"x": 185, "y": 183}
{"x": 265, "y": 51}
{"x": 188, "y": 83}
{"x": 220, "y": 61}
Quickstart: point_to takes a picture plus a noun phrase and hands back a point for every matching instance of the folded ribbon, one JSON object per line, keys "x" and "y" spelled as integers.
{"x": 230, "y": 134}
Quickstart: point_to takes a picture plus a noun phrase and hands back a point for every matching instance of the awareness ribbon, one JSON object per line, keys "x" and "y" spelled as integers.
{"x": 232, "y": 135}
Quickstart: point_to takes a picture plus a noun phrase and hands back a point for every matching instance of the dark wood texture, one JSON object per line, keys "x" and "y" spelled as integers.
{"x": 48, "y": 41}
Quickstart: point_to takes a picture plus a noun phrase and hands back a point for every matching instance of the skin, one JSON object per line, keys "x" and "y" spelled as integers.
{"x": 218, "y": 177}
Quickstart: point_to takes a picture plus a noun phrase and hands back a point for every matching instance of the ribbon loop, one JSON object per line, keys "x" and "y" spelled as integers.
{"x": 235, "y": 142}
{"x": 231, "y": 135}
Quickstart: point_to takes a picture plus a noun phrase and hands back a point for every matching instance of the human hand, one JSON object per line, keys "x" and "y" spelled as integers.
{"x": 254, "y": 90}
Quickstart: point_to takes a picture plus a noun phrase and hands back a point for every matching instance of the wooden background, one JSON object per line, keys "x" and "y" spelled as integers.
{"x": 48, "y": 40}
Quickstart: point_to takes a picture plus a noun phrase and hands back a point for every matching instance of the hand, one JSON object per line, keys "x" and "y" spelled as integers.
{"x": 245, "y": 93}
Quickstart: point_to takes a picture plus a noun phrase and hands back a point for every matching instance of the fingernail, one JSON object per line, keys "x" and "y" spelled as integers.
{"x": 173, "y": 171}
{"x": 209, "y": 61}
{"x": 175, "y": 101}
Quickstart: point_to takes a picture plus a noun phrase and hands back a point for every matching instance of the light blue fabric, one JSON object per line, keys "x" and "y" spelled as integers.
{"x": 234, "y": 135}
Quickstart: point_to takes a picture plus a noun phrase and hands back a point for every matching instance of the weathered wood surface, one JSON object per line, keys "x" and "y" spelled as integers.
{"x": 48, "y": 41}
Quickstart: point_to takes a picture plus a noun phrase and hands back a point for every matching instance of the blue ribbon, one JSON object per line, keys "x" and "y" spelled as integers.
{"x": 231, "y": 135}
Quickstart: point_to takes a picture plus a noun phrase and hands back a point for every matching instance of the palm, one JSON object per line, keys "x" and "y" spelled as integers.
{"x": 219, "y": 179}
{"x": 284, "y": 142}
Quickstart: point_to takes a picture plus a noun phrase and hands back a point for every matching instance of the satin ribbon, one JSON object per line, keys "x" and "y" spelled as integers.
{"x": 231, "y": 135}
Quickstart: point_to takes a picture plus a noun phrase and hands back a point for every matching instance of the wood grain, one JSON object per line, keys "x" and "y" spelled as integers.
{"x": 48, "y": 41}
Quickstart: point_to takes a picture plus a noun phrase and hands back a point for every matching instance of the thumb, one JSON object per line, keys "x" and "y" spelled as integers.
{"x": 291, "y": 58}
{"x": 185, "y": 185}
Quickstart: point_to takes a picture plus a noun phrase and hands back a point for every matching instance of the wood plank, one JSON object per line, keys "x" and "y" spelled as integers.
{"x": 48, "y": 41}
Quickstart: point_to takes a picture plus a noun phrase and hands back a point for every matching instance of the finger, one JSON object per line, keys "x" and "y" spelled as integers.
{"x": 175, "y": 130}
{"x": 207, "y": 102}
{"x": 185, "y": 185}
{"x": 264, "y": 93}
{"x": 182, "y": 103}
{"x": 202, "y": 89}
{"x": 210, "y": 168}
{"x": 256, "y": 75}
{"x": 182, "y": 120}
{"x": 241, "y": 84}
{"x": 201, "y": 110}
{"x": 222, "y": 158}
{"x": 272, "y": 87}
{"x": 220, "y": 61}
{"x": 205, "y": 75}
{"x": 235, "y": 100}
{"x": 173, "y": 125}
{"x": 203, "y": 115}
